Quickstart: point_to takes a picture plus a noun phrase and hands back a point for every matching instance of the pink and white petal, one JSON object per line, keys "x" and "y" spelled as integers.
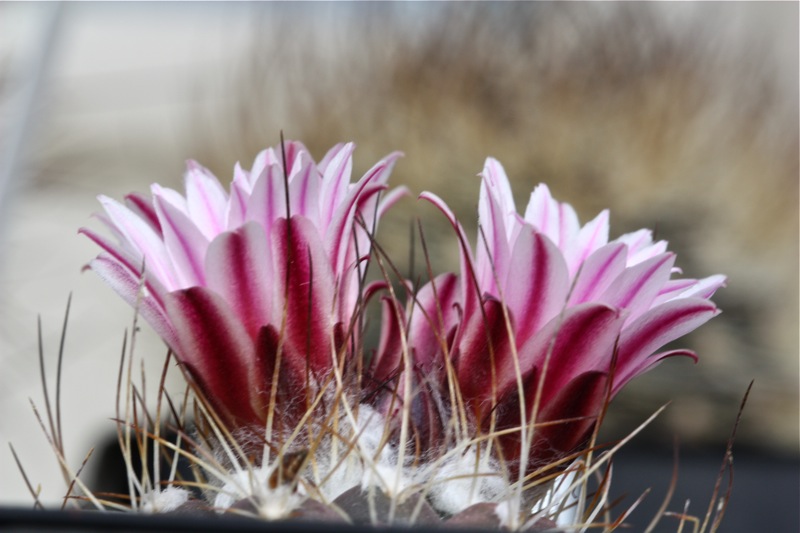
{"x": 496, "y": 180}
{"x": 172, "y": 196}
{"x": 380, "y": 171}
{"x": 236, "y": 212}
{"x": 706, "y": 287}
{"x": 543, "y": 212}
{"x": 647, "y": 364}
{"x": 267, "y": 203}
{"x": 568, "y": 225}
{"x": 379, "y": 175}
{"x": 392, "y": 197}
{"x": 537, "y": 284}
{"x": 264, "y": 159}
{"x": 143, "y": 240}
{"x": 145, "y": 299}
{"x": 299, "y": 258}
{"x": 239, "y": 268}
{"x": 590, "y": 238}
{"x": 305, "y": 183}
{"x": 120, "y": 254}
{"x": 493, "y": 252}
{"x": 656, "y": 328}
{"x": 641, "y": 246}
{"x": 126, "y": 260}
{"x": 556, "y": 220}
{"x": 123, "y": 242}
{"x": 636, "y": 241}
{"x": 293, "y": 150}
{"x": 372, "y": 288}
{"x": 581, "y": 340}
{"x": 185, "y": 243}
{"x": 242, "y": 177}
{"x": 206, "y": 199}
{"x": 335, "y": 181}
{"x": 143, "y": 206}
{"x": 637, "y": 287}
{"x": 339, "y": 234}
{"x": 215, "y": 347}
{"x": 655, "y": 249}
{"x": 370, "y": 207}
{"x": 598, "y": 272}
{"x": 471, "y": 293}
{"x": 673, "y": 289}
{"x": 325, "y": 162}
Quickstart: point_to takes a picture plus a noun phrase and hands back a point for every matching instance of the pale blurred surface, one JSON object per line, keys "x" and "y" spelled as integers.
{"x": 682, "y": 117}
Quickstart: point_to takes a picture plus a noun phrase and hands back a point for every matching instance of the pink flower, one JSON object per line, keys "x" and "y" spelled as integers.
{"x": 228, "y": 278}
{"x": 546, "y": 303}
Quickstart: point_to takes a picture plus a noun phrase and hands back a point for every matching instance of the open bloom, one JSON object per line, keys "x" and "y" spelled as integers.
{"x": 547, "y": 319}
{"x": 252, "y": 284}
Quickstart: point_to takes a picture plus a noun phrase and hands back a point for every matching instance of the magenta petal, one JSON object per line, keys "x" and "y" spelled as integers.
{"x": 297, "y": 250}
{"x": 239, "y": 268}
{"x": 656, "y": 328}
{"x": 434, "y": 314}
{"x": 217, "y": 351}
{"x": 538, "y": 282}
{"x": 580, "y": 340}
{"x": 565, "y": 421}
{"x": 484, "y": 363}
{"x": 562, "y": 424}
{"x": 388, "y": 361}
{"x": 648, "y": 363}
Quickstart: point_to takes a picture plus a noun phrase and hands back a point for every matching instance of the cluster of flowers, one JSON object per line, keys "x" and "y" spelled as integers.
{"x": 480, "y": 379}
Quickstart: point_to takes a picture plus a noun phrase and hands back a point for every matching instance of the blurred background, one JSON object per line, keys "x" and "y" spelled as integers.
{"x": 679, "y": 117}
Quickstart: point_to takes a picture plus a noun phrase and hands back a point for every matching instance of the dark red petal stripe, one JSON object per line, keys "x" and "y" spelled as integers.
{"x": 217, "y": 351}
{"x": 483, "y": 353}
{"x": 656, "y": 328}
{"x": 310, "y": 293}
{"x": 239, "y": 268}
{"x": 537, "y": 284}
{"x": 388, "y": 361}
